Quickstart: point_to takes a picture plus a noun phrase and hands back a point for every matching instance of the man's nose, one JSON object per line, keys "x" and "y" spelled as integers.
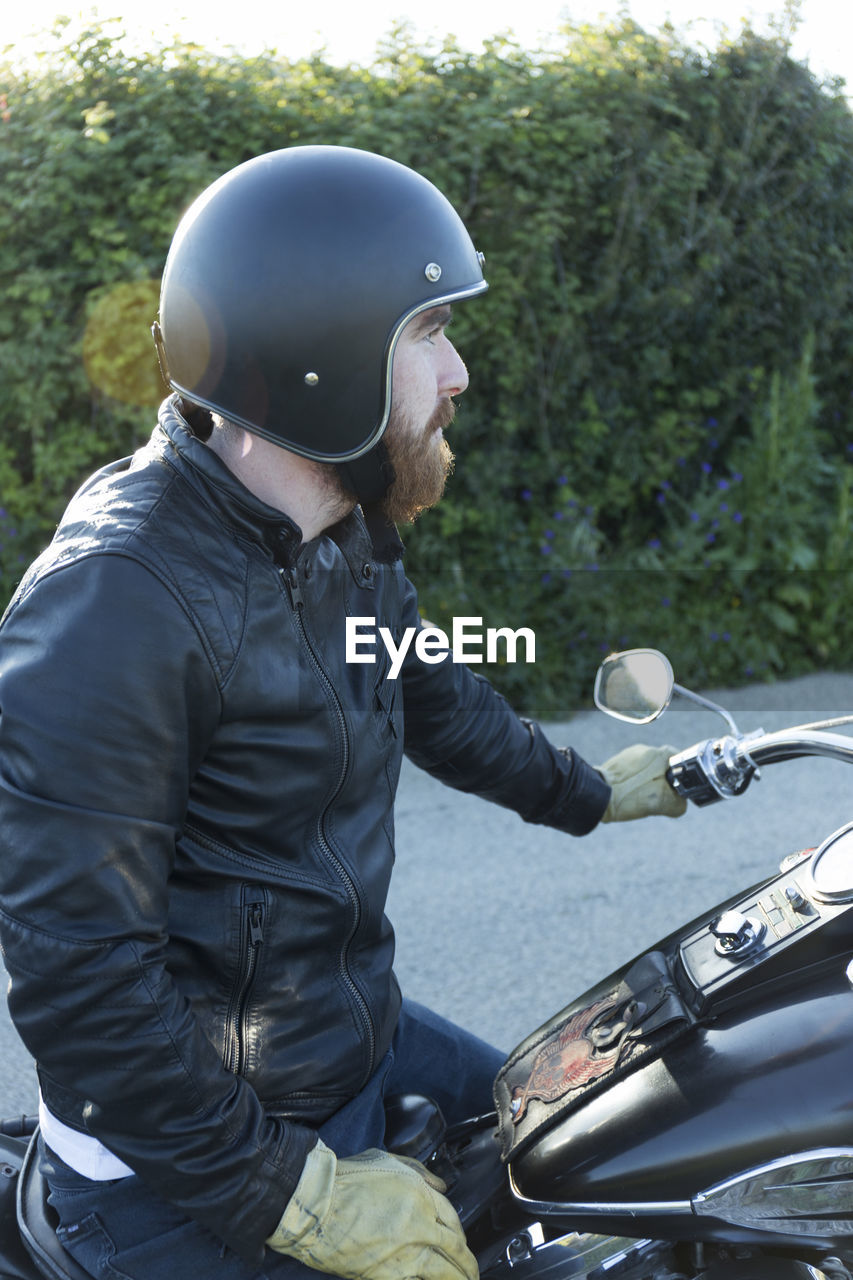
{"x": 455, "y": 375}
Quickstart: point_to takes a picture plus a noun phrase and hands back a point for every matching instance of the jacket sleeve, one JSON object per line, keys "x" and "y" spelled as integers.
{"x": 459, "y": 729}
{"x": 107, "y": 701}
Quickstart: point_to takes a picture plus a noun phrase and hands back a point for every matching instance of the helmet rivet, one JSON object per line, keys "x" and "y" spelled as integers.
{"x": 312, "y": 379}
{"x": 432, "y": 271}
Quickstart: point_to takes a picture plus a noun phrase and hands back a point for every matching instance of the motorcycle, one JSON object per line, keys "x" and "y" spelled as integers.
{"x": 690, "y": 1117}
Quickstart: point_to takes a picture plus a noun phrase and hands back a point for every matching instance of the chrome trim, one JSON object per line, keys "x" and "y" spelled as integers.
{"x": 822, "y": 892}
{"x": 793, "y": 1195}
{"x": 737, "y": 935}
{"x": 598, "y": 1208}
{"x": 790, "y": 744}
{"x": 701, "y": 701}
{"x": 444, "y": 299}
{"x": 603, "y": 671}
{"x": 577, "y": 1253}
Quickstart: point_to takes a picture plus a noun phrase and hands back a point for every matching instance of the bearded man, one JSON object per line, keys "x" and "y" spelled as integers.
{"x": 196, "y": 788}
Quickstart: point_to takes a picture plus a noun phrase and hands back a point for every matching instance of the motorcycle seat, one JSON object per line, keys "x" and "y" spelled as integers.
{"x": 414, "y": 1126}
{"x": 37, "y": 1223}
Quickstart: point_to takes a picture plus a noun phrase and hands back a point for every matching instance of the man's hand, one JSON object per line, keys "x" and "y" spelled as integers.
{"x": 373, "y": 1216}
{"x": 637, "y": 777}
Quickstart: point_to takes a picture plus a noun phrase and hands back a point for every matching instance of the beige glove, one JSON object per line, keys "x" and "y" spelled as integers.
{"x": 637, "y": 777}
{"x": 372, "y": 1217}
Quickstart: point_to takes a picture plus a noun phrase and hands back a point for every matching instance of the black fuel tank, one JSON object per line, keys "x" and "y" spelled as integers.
{"x": 751, "y": 1087}
{"x": 764, "y": 1075}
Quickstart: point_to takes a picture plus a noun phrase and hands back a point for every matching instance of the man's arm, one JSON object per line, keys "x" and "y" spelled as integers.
{"x": 107, "y": 701}
{"x": 462, "y": 731}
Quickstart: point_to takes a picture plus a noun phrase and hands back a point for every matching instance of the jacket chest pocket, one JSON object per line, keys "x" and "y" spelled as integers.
{"x": 253, "y": 911}
{"x": 386, "y": 704}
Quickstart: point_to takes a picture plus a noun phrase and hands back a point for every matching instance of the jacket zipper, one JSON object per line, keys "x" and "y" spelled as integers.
{"x": 251, "y": 939}
{"x": 298, "y": 603}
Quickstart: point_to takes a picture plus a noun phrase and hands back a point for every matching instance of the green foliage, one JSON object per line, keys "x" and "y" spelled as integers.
{"x": 655, "y": 447}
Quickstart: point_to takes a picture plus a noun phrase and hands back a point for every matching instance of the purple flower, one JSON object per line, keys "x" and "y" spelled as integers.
{"x": 546, "y": 577}
{"x": 694, "y": 516}
{"x": 661, "y": 499}
{"x": 549, "y": 533}
{"x": 666, "y": 602}
{"x": 558, "y": 515}
{"x": 707, "y": 468}
{"x": 712, "y": 422}
{"x": 737, "y": 517}
{"x": 562, "y": 480}
{"x": 737, "y": 477}
{"x": 722, "y": 484}
{"x": 526, "y": 495}
{"x": 654, "y": 542}
{"x": 545, "y": 550}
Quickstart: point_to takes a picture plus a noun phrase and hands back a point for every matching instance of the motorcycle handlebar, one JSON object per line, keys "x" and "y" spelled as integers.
{"x": 791, "y": 744}
{"x": 721, "y": 768}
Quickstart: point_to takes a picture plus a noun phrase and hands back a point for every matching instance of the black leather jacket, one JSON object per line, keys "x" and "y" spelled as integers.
{"x": 196, "y": 821}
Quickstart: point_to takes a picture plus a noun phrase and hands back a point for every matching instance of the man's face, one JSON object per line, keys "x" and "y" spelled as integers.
{"x": 427, "y": 371}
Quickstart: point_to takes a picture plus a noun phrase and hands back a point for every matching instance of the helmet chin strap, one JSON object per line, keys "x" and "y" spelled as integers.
{"x": 370, "y": 476}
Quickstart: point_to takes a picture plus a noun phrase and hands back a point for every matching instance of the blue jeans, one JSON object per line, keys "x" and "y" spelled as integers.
{"x": 122, "y": 1231}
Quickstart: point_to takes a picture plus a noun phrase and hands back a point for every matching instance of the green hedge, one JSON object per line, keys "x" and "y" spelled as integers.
{"x": 656, "y": 443}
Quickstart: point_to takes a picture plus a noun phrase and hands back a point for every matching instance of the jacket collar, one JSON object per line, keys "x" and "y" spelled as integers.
{"x": 179, "y": 446}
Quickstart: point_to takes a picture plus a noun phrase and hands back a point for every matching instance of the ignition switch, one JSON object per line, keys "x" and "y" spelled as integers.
{"x": 736, "y": 933}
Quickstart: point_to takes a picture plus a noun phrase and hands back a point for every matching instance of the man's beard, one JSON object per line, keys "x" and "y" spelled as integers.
{"x": 422, "y": 461}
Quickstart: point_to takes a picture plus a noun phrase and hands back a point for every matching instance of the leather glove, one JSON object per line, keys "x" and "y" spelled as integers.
{"x": 637, "y": 778}
{"x": 373, "y": 1216}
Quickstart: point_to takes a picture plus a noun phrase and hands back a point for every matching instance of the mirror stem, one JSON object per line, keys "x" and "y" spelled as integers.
{"x": 708, "y": 704}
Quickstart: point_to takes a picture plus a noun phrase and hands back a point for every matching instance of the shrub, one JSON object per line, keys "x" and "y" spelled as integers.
{"x": 668, "y": 235}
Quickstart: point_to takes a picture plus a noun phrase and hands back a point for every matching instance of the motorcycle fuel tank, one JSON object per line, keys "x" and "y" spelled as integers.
{"x": 744, "y": 1124}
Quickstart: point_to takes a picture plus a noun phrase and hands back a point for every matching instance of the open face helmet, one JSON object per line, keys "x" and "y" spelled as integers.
{"x": 286, "y": 287}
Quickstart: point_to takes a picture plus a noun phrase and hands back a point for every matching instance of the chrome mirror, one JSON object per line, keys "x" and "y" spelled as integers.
{"x": 636, "y": 685}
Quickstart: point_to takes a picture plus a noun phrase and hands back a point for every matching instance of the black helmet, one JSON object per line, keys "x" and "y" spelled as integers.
{"x": 287, "y": 285}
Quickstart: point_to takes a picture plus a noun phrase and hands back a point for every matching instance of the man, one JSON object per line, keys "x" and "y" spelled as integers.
{"x": 196, "y": 788}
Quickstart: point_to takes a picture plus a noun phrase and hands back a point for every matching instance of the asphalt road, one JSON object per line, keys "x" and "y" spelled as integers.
{"x": 500, "y": 924}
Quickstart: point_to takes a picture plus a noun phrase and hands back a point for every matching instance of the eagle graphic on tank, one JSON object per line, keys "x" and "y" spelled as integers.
{"x": 587, "y": 1047}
